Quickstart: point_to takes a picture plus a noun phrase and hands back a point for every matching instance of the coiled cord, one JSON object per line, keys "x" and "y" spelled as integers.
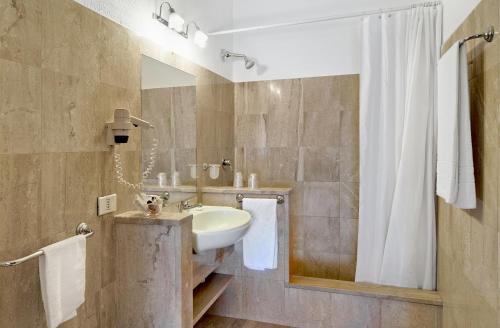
{"x": 149, "y": 168}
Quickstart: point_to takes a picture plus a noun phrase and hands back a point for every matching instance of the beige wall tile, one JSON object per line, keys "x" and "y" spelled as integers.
{"x": 349, "y": 92}
{"x": 353, "y": 311}
{"x": 21, "y": 37}
{"x": 264, "y": 299}
{"x": 230, "y": 303}
{"x": 349, "y": 128}
{"x": 21, "y": 301}
{"x": 279, "y": 96}
{"x": 107, "y": 306}
{"x": 321, "y": 93}
{"x": 251, "y": 130}
{"x": 224, "y": 129}
{"x": 69, "y": 114}
{"x": 82, "y": 187}
{"x": 404, "y": 314}
{"x": 349, "y": 164}
{"x": 348, "y": 236}
{"x": 317, "y": 234}
{"x": 20, "y": 108}
{"x": 349, "y": 200}
{"x": 320, "y": 164}
{"x": 282, "y": 128}
{"x": 321, "y": 129}
{"x": 321, "y": 199}
{"x": 114, "y": 68}
{"x": 53, "y": 194}
{"x": 314, "y": 264}
{"x": 305, "y": 308}
{"x": 19, "y": 202}
{"x": 70, "y": 35}
{"x": 347, "y": 267}
{"x": 271, "y": 164}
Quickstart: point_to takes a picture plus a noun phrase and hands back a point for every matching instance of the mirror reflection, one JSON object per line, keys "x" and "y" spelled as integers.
{"x": 168, "y": 98}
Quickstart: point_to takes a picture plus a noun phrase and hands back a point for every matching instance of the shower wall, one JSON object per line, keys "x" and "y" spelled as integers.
{"x": 303, "y": 133}
{"x": 468, "y": 241}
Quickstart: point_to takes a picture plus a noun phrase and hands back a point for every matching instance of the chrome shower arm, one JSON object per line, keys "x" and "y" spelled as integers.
{"x": 226, "y": 54}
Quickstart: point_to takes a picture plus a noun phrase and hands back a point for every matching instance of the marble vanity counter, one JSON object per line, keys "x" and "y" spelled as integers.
{"x": 259, "y": 191}
{"x": 221, "y": 190}
{"x": 156, "y": 188}
{"x": 165, "y": 218}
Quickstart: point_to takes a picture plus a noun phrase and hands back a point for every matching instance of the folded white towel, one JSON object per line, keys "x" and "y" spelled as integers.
{"x": 62, "y": 279}
{"x": 455, "y": 168}
{"x": 260, "y": 244}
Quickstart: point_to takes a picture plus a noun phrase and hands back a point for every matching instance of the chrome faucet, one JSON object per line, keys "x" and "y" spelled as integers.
{"x": 184, "y": 205}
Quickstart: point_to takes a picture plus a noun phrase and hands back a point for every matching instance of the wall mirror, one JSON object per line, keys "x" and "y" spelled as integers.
{"x": 168, "y": 100}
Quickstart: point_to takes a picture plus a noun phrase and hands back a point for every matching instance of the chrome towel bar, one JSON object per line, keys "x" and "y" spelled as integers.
{"x": 81, "y": 229}
{"x": 488, "y": 36}
{"x": 279, "y": 198}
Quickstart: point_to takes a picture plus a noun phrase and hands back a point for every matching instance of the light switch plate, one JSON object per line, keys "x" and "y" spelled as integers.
{"x": 106, "y": 204}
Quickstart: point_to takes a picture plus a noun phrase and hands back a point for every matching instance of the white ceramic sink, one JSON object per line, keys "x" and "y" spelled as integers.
{"x": 218, "y": 226}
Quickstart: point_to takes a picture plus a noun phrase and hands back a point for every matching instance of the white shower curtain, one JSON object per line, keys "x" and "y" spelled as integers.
{"x": 397, "y": 230}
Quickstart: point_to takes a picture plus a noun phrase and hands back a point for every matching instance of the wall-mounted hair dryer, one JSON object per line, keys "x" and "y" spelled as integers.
{"x": 117, "y": 132}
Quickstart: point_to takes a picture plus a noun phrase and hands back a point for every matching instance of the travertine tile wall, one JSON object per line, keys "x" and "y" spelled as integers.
{"x": 173, "y": 112}
{"x": 63, "y": 69}
{"x": 468, "y": 241}
{"x": 304, "y": 133}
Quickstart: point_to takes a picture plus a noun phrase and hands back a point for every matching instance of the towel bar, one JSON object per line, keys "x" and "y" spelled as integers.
{"x": 81, "y": 229}
{"x": 279, "y": 198}
{"x": 488, "y": 36}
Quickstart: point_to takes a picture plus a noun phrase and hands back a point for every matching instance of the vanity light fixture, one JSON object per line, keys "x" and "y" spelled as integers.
{"x": 176, "y": 23}
{"x": 200, "y": 38}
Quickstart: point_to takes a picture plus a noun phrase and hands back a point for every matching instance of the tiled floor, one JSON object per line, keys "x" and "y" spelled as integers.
{"x": 210, "y": 321}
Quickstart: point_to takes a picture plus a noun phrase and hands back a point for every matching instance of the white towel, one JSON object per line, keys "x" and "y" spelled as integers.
{"x": 455, "y": 168}
{"x": 260, "y": 244}
{"x": 62, "y": 278}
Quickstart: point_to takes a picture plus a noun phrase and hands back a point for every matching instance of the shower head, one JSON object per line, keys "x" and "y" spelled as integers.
{"x": 249, "y": 62}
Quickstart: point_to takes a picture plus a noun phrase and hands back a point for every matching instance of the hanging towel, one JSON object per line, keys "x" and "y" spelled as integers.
{"x": 62, "y": 279}
{"x": 260, "y": 244}
{"x": 455, "y": 168}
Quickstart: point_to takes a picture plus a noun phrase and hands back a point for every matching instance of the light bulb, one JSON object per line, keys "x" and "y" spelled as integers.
{"x": 176, "y": 22}
{"x": 200, "y": 39}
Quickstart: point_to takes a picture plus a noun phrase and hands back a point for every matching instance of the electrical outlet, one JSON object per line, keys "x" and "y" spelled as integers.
{"x": 106, "y": 204}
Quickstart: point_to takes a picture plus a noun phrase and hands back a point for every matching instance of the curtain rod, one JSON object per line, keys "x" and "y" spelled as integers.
{"x": 325, "y": 19}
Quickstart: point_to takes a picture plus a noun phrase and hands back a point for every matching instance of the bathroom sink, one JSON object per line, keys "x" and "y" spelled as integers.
{"x": 218, "y": 226}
